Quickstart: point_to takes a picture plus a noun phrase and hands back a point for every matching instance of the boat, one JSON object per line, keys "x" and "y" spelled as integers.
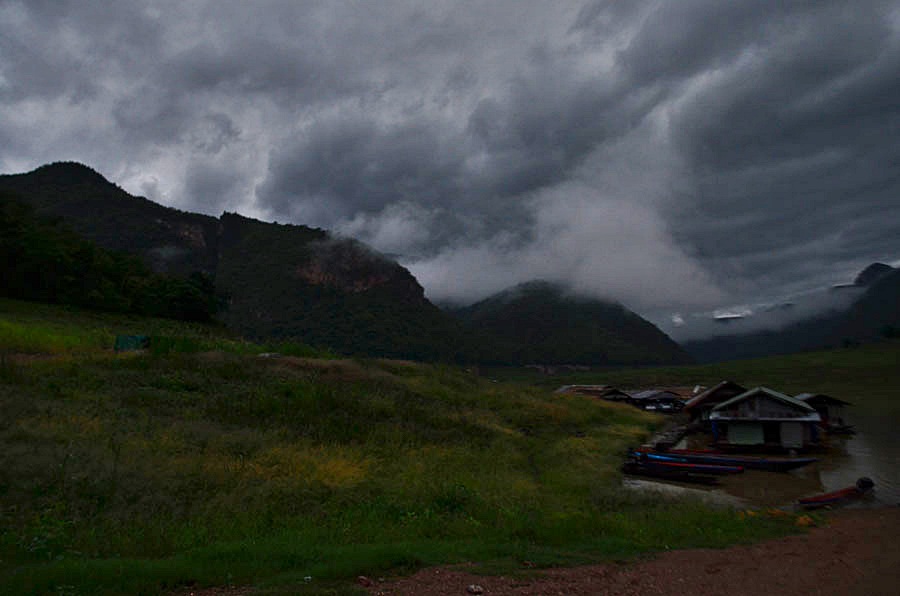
{"x": 636, "y": 468}
{"x": 772, "y": 464}
{"x": 862, "y": 487}
{"x": 715, "y": 469}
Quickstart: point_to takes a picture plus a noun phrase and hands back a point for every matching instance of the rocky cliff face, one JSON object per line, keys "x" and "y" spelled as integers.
{"x": 351, "y": 267}
{"x": 278, "y": 280}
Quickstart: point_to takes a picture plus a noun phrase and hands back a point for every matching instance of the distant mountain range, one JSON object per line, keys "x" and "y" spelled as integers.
{"x": 293, "y": 281}
{"x": 875, "y": 314}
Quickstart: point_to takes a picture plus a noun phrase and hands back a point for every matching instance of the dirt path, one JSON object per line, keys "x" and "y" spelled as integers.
{"x": 857, "y": 553}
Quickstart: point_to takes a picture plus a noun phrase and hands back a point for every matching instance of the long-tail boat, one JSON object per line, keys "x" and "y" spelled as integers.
{"x": 862, "y": 487}
{"x": 633, "y": 467}
{"x": 716, "y": 469}
{"x": 772, "y": 464}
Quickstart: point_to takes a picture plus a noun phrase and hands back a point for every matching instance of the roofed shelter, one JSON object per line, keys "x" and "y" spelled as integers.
{"x": 763, "y": 417}
{"x": 606, "y": 392}
{"x": 831, "y": 409}
{"x": 700, "y": 406}
{"x": 657, "y": 399}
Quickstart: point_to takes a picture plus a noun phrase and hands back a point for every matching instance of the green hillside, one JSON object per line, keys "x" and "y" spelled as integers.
{"x": 209, "y": 463}
{"x": 41, "y": 259}
{"x": 278, "y": 281}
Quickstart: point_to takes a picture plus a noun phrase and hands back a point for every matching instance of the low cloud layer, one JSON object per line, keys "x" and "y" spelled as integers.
{"x": 677, "y": 156}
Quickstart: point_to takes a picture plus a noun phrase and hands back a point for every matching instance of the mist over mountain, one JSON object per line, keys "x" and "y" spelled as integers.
{"x": 871, "y": 312}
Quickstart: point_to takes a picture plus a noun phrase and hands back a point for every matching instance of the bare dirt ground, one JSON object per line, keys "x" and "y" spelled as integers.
{"x": 857, "y": 552}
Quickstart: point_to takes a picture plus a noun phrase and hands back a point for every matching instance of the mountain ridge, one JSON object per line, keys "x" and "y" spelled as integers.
{"x": 279, "y": 280}
{"x": 294, "y": 281}
{"x": 539, "y": 322}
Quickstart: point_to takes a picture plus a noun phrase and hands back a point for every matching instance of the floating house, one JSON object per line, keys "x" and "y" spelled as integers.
{"x": 762, "y": 417}
{"x": 614, "y": 394}
{"x": 700, "y": 406}
{"x": 606, "y": 392}
{"x": 657, "y": 400}
{"x": 830, "y": 409}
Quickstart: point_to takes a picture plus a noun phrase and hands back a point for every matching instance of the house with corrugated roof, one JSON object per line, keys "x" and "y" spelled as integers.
{"x": 700, "y": 406}
{"x": 606, "y": 392}
{"x": 830, "y": 409}
{"x": 658, "y": 400}
{"x": 763, "y": 417}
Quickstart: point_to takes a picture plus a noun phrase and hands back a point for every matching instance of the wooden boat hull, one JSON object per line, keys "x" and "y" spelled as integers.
{"x": 714, "y": 469}
{"x": 744, "y": 461}
{"x": 668, "y": 473}
{"x": 863, "y": 487}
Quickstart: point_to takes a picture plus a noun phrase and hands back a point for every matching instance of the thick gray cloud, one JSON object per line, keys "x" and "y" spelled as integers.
{"x": 681, "y": 155}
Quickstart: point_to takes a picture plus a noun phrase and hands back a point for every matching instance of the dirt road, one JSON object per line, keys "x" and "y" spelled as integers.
{"x": 858, "y": 553}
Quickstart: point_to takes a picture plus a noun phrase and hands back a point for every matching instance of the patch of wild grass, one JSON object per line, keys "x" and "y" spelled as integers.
{"x": 138, "y": 473}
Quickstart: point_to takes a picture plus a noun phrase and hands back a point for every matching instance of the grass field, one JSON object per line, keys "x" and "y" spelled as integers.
{"x": 205, "y": 463}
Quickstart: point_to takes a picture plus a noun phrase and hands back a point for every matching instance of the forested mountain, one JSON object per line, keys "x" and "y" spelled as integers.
{"x": 41, "y": 259}
{"x": 539, "y": 322}
{"x": 275, "y": 280}
{"x": 293, "y": 281}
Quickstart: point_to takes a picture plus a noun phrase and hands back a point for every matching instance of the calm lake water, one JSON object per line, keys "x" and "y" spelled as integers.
{"x": 873, "y": 452}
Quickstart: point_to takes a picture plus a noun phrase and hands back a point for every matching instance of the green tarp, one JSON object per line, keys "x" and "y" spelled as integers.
{"x": 125, "y": 343}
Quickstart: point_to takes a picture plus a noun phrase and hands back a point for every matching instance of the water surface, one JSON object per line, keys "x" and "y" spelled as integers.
{"x": 873, "y": 452}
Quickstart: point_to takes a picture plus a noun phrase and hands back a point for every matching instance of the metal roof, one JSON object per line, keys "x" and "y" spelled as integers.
{"x": 651, "y": 393}
{"x": 826, "y": 399}
{"x": 811, "y": 414}
{"x": 701, "y": 397}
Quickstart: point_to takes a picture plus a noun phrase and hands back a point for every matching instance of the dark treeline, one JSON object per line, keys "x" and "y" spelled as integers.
{"x": 43, "y": 260}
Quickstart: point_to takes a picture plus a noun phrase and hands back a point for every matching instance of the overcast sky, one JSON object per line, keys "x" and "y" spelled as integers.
{"x": 679, "y": 156}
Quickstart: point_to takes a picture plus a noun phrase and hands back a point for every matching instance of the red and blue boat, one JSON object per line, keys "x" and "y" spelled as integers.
{"x": 772, "y": 464}
{"x": 671, "y": 473}
{"x": 862, "y": 487}
{"x": 642, "y": 465}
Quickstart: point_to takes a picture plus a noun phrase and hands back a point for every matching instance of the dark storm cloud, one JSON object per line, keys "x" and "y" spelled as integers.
{"x": 792, "y": 151}
{"x": 680, "y": 154}
{"x": 337, "y": 168}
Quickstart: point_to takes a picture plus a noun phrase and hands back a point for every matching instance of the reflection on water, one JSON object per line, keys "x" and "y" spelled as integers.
{"x": 874, "y": 452}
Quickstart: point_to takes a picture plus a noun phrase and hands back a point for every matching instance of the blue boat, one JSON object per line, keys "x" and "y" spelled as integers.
{"x": 772, "y": 464}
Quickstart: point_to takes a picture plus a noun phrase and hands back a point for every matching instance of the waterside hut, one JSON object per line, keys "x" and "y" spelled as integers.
{"x": 660, "y": 400}
{"x": 606, "y": 392}
{"x": 830, "y": 409}
{"x": 762, "y": 417}
{"x": 700, "y": 406}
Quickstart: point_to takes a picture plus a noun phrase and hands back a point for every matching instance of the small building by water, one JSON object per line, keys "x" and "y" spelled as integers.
{"x": 700, "y": 406}
{"x": 606, "y": 392}
{"x": 763, "y": 417}
{"x": 830, "y": 409}
{"x": 661, "y": 400}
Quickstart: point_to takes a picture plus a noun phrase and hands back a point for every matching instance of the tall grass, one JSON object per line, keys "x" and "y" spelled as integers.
{"x": 135, "y": 473}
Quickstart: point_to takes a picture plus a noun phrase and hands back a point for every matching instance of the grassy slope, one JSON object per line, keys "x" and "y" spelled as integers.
{"x": 136, "y": 473}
